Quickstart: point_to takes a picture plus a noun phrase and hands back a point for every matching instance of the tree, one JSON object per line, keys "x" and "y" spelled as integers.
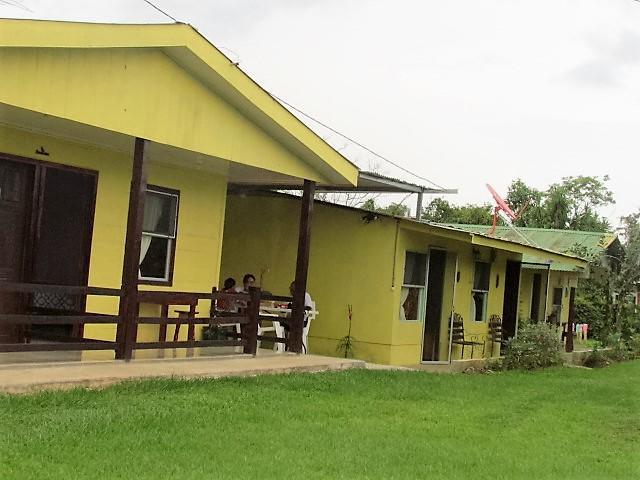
{"x": 571, "y": 204}
{"x": 606, "y": 299}
{"x": 625, "y": 273}
{"x": 441, "y": 211}
{"x": 438, "y": 210}
{"x": 396, "y": 209}
{"x": 350, "y": 199}
{"x": 528, "y": 200}
{"x": 369, "y": 204}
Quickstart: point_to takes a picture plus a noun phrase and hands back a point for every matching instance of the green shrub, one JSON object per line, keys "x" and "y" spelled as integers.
{"x": 596, "y": 359}
{"x": 495, "y": 364}
{"x": 618, "y": 349}
{"x": 536, "y": 346}
{"x": 634, "y": 345}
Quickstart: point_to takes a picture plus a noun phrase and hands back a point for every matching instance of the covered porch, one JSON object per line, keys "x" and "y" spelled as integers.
{"x": 116, "y": 186}
{"x": 59, "y": 291}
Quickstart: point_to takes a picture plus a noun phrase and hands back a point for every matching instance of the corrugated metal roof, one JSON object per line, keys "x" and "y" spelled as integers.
{"x": 453, "y": 227}
{"x": 563, "y": 241}
{"x": 532, "y": 259}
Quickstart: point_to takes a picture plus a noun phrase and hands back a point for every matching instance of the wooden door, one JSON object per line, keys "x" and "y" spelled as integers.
{"x": 433, "y": 314}
{"x": 510, "y": 303}
{"x": 536, "y": 294}
{"x": 16, "y": 187}
{"x": 62, "y": 244}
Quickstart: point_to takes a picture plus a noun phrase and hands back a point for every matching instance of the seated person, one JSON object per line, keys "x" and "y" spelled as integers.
{"x": 229, "y": 285}
{"x": 308, "y": 305}
{"x": 225, "y": 305}
{"x": 248, "y": 281}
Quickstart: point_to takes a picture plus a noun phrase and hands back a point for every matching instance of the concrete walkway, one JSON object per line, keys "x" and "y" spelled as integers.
{"x": 21, "y": 378}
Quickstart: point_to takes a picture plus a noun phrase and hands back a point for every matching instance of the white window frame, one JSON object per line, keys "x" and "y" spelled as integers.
{"x": 485, "y": 294}
{"x": 422, "y": 295}
{"x": 170, "y": 239}
{"x": 557, "y": 307}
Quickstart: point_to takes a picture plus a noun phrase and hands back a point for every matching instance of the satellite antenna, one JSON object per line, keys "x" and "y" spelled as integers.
{"x": 505, "y": 212}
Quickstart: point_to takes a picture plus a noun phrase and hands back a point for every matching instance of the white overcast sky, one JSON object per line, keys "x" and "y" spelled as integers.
{"x": 462, "y": 92}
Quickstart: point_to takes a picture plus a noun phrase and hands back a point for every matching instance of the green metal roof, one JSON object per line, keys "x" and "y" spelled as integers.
{"x": 562, "y": 241}
{"x": 557, "y": 240}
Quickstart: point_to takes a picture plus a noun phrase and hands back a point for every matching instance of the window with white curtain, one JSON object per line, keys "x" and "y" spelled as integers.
{"x": 413, "y": 293}
{"x": 480, "y": 291}
{"x": 159, "y": 228}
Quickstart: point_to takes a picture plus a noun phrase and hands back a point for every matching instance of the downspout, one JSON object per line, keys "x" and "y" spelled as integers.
{"x": 515, "y": 334}
{"x": 395, "y": 256}
{"x": 453, "y": 306}
{"x": 546, "y": 295}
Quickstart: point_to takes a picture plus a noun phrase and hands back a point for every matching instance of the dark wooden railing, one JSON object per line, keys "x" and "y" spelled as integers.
{"x": 248, "y": 318}
{"x": 67, "y": 318}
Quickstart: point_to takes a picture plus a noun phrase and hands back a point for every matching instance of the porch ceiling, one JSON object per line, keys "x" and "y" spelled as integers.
{"x": 50, "y": 125}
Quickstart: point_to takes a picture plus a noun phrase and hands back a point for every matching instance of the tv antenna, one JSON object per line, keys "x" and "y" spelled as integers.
{"x": 507, "y": 215}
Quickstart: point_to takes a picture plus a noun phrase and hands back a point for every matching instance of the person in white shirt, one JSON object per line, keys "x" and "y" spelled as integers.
{"x": 308, "y": 303}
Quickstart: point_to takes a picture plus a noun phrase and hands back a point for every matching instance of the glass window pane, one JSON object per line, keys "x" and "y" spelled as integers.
{"x": 10, "y": 184}
{"x": 557, "y": 296}
{"x": 478, "y": 306}
{"x": 410, "y": 308}
{"x": 155, "y": 265}
{"x": 160, "y": 213}
{"x": 415, "y": 266}
{"x": 481, "y": 277}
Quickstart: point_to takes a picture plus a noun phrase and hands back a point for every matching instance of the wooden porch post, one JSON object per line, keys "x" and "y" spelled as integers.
{"x": 128, "y": 310}
{"x": 250, "y": 330}
{"x": 302, "y": 267}
{"x": 568, "y": 347}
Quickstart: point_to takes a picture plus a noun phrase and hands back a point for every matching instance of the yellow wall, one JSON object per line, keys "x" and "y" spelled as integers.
{"x": 353, "y": 263}
{"x": 558, "y": 279}
{"x": 526, "y": 293}
{"x": 408, "y": 335}
{"x": 200, "y": 222}
{"x": 566, "y": 281}
{"x": 140, "y": 92}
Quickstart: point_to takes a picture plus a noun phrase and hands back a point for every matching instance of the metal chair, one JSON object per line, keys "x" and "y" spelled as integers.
{"x": 495, "y": 332}
{"x": 458, "y": 337}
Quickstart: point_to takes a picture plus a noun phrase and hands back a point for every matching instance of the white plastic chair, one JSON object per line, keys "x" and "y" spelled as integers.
{"x": 262, "y": 330}
{"x": 309, "y": 315}
{"x": 279, "y": 329}
{"x": 280, "y": 332}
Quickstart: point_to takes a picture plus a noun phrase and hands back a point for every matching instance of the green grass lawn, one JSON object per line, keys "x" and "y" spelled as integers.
{"x": 560, "y": 423}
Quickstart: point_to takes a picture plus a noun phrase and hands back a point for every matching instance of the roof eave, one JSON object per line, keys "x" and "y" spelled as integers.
{"x": 53, "y": 34}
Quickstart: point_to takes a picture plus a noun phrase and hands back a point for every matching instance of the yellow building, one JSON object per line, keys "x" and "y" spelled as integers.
{"x": 402, "y": 279}
{"x": 546, "y": 289}
{"x": 117, "y": 143}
